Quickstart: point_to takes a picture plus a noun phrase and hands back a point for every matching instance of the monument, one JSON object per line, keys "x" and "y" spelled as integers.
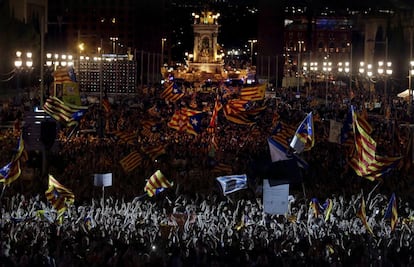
{"x": 206, "y": 63}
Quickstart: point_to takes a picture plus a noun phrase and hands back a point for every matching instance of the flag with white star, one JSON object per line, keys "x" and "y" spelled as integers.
{"x": 304, "y": 138}
{"x": 172, "y": 92}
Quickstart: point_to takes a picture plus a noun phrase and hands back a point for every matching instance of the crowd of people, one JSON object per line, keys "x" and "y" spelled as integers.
{"x": 193, "y": 223}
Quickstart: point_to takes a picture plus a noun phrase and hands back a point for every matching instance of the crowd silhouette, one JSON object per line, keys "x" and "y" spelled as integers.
{"x": 193, "y": 223}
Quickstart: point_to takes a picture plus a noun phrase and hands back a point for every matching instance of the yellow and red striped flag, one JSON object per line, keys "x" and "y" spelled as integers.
{"x": 172, "y": 92}
{"x": 58, "y": 195}
{"x": 125, "y": 137}
{"x": 391, "y": 212}
{"x": 363, "y": 216}
{"x": 365, "y": 162}
{"x": 253, "y": 93}
{"x": 63, "y": 112}
{"x": 217, "y": 107}
{"x": 11, "y": 171}
{"x": 64, "y": 75}
{"x": 157, "y": 183}
{"x": 131, "y": 161}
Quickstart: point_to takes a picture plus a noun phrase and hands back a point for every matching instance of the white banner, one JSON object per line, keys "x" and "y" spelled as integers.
{"x": 335, "y": 131}
{"x": 275, "y": 198}
{"x": 102, "y": 179}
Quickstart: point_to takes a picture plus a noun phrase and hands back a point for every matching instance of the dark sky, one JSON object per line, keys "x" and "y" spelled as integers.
{"x": 355, "y": 3}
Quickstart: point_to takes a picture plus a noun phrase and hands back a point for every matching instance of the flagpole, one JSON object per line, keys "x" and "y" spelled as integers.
{"x": 2, "y": 192}
{"x": 72, "y": 131}
{"x": 141, "y": 196}
{"x": 103, "y": 197}
{"x": 303, "y": 189}
{"x": 375, "y": 187}
{"x": 1, "y": 204}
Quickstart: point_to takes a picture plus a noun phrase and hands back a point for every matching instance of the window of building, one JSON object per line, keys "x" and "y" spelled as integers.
{"x": 320, "y": 47}
{"x": 331, "y": 47}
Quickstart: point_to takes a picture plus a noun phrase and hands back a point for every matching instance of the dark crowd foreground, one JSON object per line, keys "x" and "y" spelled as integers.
{"x": 193, "y": 224}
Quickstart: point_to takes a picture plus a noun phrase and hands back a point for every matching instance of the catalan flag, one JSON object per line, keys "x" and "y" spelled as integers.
{"x": 194, "y": 121}
{"x": 19, "y": 150}
{"x": 314, "y": 204}
{"x": 125, "y": 137}
{"x": 347, "y": 129}
{"x": 131, "y": 161}
{"x": 11, "y": 171}
{"x": 327, "y": 207}
{"x": 150, "y": 129}
{"x": 365, "y": 162}
{"x": 58, "y": 195}
{"x": 391, "y": 213}
{"x": 186, "y": 120}
{"x": 64, "y": 75}
{"x": 242, "y": 111}
{"x": 363, "y": 216}
{"x": 155, "y": 183}
{"x": 178, "y": 121}
{"x": 253, "y": 93}
{"x": 279, "y": 144}
{"x": 172, "y": 92}
{"x": 65, "y": 113}
{"x": 304, "y": 138}
{"x": 214, "y": 115}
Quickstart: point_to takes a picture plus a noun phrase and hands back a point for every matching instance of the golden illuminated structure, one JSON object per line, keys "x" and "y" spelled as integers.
{"x": 206, "y": 62}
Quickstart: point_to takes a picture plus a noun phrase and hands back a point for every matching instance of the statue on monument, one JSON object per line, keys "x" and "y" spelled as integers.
{"x": 204, "y": 51}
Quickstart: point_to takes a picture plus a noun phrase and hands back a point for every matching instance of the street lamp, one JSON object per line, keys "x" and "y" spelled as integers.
{"x": 310, "y": 68}
{"x": 163, "y": 40}
{"x": 384, "y": 71}
{"x": 366, "y": 71}
{"x": 326, "y": 68}
{"x": 113, "y": 39}
{"x": 252, "y": 42}
{"x": 410, "y": 88}
{"x": 350, "y": 66}
{"x": 23, "y": 62}
{"x": 299, "y": 72}
{"x": 344, "y": 68}
{"x": 53, "y": 61}
{"x": 56, "y": 60}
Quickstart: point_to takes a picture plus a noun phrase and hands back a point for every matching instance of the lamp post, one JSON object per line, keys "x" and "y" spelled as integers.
{"x": 365, "y": 70}
{"x": 310, "y": 68}
{"x": 410, "y": 87}
{"x": 163, "y": 40}
{"x": 385, "y": 71}
{"x": 299, "y": 69}
{"x": 21, "y": 63}
{"x": 252, "y": 42}
{"x": 113, "y": 40}
{"x": 350, "y": 66}
{"x": 326, "y": 68}
{"x": 343, "y": 68}
{"x": 53, "y": 61}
